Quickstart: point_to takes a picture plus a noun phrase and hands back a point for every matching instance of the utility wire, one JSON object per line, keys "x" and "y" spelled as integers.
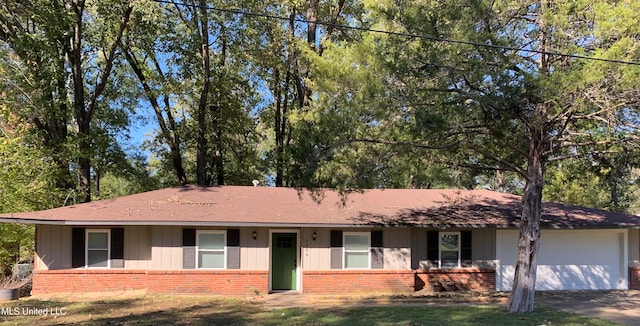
{"x": 408, "y": 35}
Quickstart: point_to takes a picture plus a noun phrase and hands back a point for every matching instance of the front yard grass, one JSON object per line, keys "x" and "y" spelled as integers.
{"x": 203, "y": 310}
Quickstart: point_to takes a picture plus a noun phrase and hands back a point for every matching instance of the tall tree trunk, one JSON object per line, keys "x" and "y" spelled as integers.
{"x": 218, "y": 116}
{"x": 281, "y": 92}
{"x": 84, "y": 171}
{"x": 500, "y": 181}
{"x": 219, "y": 154}
{"x": 67, "y": 40}
{"x": 168, "y": 132}
{"x": 523, "y": 291}
{"x": 54, "y": 129}
{"x": 298, "y": 74}
{"x": 201, "y": 154}
{"x": 281, "y": 95}
{"x": 84, "y": 111}
{"x": 277, "y": 89}
{"x": 80, "y": 110}
{"x": 56, "y": 120}
{"x": 58, "y": 125}
{"x": 312, "y": 17}
{"x": 615, "y": 175}
{"x": 312, "y": 30}
{"x": 522, "y": 295}
{"x": 176, "y": 141}
{"x": 97, "y": 176}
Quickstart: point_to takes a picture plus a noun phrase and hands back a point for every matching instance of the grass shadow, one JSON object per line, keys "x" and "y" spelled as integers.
{"x": 201, "y": 310}
{"x": 424, "y": 315}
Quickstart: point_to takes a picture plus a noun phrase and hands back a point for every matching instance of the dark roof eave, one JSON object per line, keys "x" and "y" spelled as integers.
{"x": 296, "y": 225}
{"x": 246, "y": 224}
{"x": 173, "y": 223}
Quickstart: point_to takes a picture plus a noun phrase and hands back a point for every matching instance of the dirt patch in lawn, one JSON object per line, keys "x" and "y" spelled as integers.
{"x": 293, "y": 299}
{"x": 126, "y": 309}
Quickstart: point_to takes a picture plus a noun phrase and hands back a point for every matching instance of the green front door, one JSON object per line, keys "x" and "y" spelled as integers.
{"x": 284, "y": 262}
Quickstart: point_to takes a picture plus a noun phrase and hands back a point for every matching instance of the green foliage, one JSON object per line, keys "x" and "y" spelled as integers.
{"x": 26, "y": 184}
{"x": 17, "y": 245}
{"x": 575, "y": 184}
{"x": 164, "y": 43}
{"x": 125, "y": 176}
{"x": 598, "y": 181}
{"x": 26, "y": 176}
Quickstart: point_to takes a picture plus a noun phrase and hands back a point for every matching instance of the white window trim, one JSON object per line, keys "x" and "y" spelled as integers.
{"x": 198, "y": 233}
{"x": 344, "y": 249}
{"x": 440, "y": 235}
{"x": 86, "y": 247}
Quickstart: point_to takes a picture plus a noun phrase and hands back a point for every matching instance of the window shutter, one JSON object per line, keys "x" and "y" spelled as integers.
{"x": 189, "y": 248}
{"x": 336, "y": 249}
{"x": 433, "y": 255}
{"x": 233, "y": 249}
{"x": 465, "y": 249}
{"x": 117, "y": 247}
{"x": 77, "y": 247}
{"x": 377, "y": 250}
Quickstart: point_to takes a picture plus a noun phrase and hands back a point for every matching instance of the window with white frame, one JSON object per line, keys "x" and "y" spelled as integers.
{"x": 97, "y": 249}
{"x": 357, "y": 253}
{"x": 211, "y": 249}
{"x": 449, "y": 249}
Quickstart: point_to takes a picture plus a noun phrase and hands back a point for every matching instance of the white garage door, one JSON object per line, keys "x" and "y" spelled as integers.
{"x": 568, "y": 260}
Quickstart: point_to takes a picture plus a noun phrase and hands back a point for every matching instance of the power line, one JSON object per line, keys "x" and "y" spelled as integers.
{"x": 408, "y": 35}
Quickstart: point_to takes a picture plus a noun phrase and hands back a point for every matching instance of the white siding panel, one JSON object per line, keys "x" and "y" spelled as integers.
{"x": 483, "y": 247}
{"x": 137, "y": 247}
{"x": 254, "y": 254}
{"x": 397, "y": 248}
{"x": 316, "y": 254}
{"x": 569, "y": 259}
{"x": 166, "y": 250}
{"x": 53, "y": 247}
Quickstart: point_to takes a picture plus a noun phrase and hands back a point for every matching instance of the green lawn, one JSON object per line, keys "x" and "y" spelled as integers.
{"x": 199, "y": 310}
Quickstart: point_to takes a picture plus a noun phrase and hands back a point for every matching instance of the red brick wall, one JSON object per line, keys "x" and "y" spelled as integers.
{"x": 357, "y": 281}
{"x": 462, "y": 278}
{"x": 634, "y": 278}
{"x": 225, "y": 282}
{"x": 228, "y": 282}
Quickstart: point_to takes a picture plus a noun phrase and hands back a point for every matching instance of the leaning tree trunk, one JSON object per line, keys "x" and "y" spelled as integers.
{"x": 201, "y": 148}
{"x": 522, "y": 295}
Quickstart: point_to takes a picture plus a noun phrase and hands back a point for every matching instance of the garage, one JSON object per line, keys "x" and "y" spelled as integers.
{"x": 569, "y": 259}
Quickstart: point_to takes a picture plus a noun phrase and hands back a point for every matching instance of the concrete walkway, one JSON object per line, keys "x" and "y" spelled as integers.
{"x": 617, "y": 306}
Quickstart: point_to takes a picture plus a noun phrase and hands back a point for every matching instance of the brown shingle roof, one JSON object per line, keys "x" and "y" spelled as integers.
{"x": 254, "y": 206}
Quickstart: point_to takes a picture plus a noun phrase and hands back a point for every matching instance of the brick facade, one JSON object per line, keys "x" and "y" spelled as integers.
{"x": 182, "y": 281}
{"x": 634, "y": 278}
{"x": 228, "y": 282}
{"x": 357, "y": 281}
{"x": 459, "y": 279}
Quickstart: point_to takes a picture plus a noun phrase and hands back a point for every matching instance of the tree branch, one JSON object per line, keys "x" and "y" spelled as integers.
{"x": 110, "y": 58}
{"x": 331, "y": 26}
{"x": 499, "y": 160}
{"x": 397, "y": 143}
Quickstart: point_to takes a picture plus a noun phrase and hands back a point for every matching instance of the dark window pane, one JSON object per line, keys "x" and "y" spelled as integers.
{"x": 98, "y": 240}
{"x": 98, "y": 258}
